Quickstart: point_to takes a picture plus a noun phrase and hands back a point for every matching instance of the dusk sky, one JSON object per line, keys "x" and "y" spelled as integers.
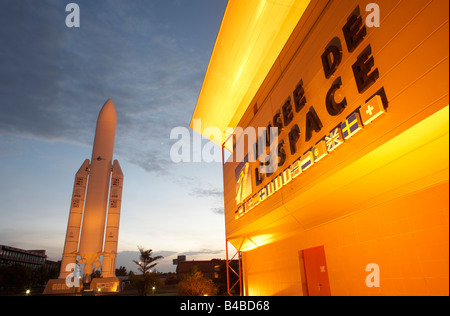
{"x": 150, "y": 58}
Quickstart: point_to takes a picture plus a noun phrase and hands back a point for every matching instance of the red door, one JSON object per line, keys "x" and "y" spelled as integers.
{"x": 316, "y": 272}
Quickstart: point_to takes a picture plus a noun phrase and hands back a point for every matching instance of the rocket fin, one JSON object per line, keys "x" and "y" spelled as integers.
{"x": 75, "y": 217}
{"x": 112, "y": 226}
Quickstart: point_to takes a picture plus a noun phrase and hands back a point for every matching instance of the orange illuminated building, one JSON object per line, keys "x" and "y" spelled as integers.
{"x": 358, "y": 203}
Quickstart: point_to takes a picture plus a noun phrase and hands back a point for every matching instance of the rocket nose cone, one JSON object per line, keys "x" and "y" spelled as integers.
{"x": 108, "y": 112}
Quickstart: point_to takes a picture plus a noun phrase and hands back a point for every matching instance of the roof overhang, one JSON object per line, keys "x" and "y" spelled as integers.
{"x": 250, "y": 39}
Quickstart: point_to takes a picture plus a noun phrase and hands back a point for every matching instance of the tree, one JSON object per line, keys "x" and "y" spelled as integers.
{"x": 195, "y": 284}
{"x": 122, "y": 271}
{"x": 97, "y": 274}
{"x": 41, "y": 275}
{"x": 16, "y": 277}
{"x": 145, "y": 282}
{"x": 146, "y": 260}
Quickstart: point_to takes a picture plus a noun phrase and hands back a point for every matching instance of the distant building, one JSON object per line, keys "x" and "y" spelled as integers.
{"x": 28, "y": 258}
{"x": 53, "y": 264}
{"x": 209, "y": 268}
{"x": 168, "y": 278}
{"x": 178, "y": 259}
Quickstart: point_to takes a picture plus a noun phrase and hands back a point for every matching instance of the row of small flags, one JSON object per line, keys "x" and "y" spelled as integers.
{"x": 346, "y": 130}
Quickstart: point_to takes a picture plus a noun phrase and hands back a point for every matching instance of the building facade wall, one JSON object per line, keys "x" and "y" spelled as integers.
{"x": 380, "y": 198}
{"x": 407, "y": 237}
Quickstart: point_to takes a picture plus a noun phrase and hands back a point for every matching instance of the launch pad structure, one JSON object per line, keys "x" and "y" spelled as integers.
{"x": 96, "y": 201}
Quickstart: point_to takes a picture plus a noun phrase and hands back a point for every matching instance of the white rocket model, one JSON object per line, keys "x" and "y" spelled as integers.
{"x": 96, "y": 200}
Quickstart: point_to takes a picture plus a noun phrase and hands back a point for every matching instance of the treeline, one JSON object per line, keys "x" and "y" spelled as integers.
{"x": 17, "y": 279}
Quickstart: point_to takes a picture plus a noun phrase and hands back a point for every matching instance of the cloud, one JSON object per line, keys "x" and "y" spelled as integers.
{"x": 54, "y": 80}
{"x": 193, "y": 253}
{"x": 220, "y": 210}
{"x": 207, "y": 193}
{"x": 211, "y": 193}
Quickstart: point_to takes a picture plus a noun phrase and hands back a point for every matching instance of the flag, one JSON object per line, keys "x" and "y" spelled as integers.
{"x": 296, "y": 169}
{"x": 320, "y": 151}
{"x": 287, "y": 176}
{"x": 278, "y": 182}
{"x": 334, "y": 139}
{"x": 372, "y": 110}
{"x": 255, "y": 200}
{"x": 239, "y": 213}
{"x": 262, "y": 194}
{"x": 270, "y": 189}
{"x": 241, "y": 210}
{"x": 307, "y": 160}
{"x": 351, "y": 126}
{"x": 249, "y": 205}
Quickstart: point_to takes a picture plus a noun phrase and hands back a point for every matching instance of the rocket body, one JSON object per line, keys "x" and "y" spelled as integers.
{"x": 91, "y": 202}
{"x": 96, "y": 205}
